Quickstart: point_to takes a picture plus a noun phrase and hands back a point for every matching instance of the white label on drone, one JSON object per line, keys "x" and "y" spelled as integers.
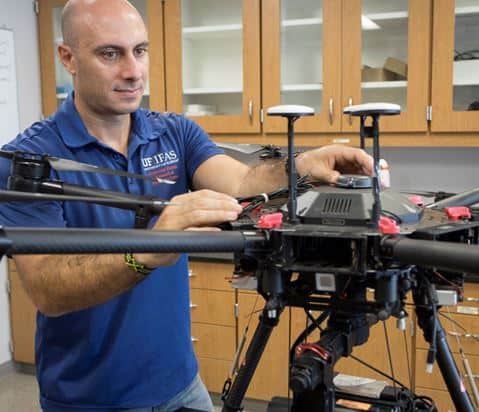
{"x": 468, "y": 310}
{"x": 325, "y": 282}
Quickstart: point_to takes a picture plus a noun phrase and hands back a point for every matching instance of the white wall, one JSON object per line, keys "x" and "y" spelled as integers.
{"x": 20, "y": 17}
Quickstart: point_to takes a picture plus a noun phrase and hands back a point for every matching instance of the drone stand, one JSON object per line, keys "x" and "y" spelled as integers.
{"x": 268, "y": 319}
{"x": 433, "y": 332}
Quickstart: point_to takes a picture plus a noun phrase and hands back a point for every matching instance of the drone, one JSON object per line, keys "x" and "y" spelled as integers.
{"x": 319, "y": 247}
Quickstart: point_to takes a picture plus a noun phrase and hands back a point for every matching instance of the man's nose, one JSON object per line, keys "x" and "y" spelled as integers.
{"x": 131, "y": 67}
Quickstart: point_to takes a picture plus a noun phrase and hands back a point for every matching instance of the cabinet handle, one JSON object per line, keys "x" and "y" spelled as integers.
{"x": 193, "y": 339}
{"x": 350, "y": 103}
{"x": 191, "y": 274}
{"x": 193, "y": 305}
{"x": 331, "y": 110}
{"x": 472, "y": 299}
{"x": 250, "y": 111}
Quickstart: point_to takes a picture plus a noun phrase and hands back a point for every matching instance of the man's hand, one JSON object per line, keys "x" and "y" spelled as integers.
{"x": 200, "y": 210}
{"x": 328, "y": 162}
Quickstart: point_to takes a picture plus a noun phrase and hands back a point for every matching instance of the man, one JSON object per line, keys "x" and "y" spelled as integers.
{"x": 110, "y": 337}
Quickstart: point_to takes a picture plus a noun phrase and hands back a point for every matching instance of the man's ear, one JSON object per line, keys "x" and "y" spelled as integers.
{"x": 66, "y": 57}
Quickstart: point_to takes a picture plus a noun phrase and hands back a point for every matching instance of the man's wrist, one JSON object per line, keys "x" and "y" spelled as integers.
{"x": 136, "y": 266}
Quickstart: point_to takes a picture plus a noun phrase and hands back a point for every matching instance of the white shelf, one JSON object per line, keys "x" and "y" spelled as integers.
{"x": 315, "y": 21}
{"x": 208, "y": 31}
{"x": 384, "y": 85}
{"x": 466, "y": 10}
{"x": 213, "y": 90}
{"x": 466, "y": 83}
{"x": 301, "y": 87}
{"x": 394, "y": 15}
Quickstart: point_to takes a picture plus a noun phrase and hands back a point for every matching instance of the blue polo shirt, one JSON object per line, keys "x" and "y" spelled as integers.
{"x": 135, "y": 350}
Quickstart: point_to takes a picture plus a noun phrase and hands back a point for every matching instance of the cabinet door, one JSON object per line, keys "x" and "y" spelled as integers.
{"x": 213, "y": 64}
{"x": 57, "y": 83}
{"x": 386, "y": 59}
{"x": 22, "y": 318}
{"x": 455, "y": 66}
{"x": 301, "y": 56}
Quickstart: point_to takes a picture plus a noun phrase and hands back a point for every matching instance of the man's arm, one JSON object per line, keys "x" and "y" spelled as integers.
{"x": 62, "y": 284}
{"x": 227, "y": 175}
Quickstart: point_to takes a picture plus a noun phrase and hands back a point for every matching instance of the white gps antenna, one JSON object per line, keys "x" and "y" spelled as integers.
{"x": 292, "y": 113}
{"x": 373, "y": 110}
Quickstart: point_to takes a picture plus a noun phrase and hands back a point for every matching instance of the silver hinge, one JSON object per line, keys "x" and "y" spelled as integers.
{"x": 36, "y": 7}
{"x": 7, "y": 286}
{"x": 261, "y": 116}
{"x": 429, "y": 113}
{"x": 236, "y": 310}
{"x": 10, "y": 347}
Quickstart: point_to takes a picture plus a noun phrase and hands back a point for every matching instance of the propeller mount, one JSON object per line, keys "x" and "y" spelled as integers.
{"x": 35, "y": 166}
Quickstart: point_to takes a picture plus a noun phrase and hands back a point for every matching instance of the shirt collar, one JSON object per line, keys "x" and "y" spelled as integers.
{"x": 75, "y": 135}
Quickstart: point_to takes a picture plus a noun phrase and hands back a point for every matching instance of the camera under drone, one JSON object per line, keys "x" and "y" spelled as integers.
{"x": 319, "y": 247}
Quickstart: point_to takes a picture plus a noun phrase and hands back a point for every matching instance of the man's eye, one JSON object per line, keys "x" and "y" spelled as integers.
{"x": 110, "y": 54}
{"x": 140, "y": 51}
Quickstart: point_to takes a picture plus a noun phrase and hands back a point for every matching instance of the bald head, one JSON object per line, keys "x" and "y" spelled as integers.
{"x": 79, "y": 15}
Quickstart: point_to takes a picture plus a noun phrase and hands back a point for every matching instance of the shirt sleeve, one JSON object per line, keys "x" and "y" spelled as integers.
{"x": 198, "y": 146}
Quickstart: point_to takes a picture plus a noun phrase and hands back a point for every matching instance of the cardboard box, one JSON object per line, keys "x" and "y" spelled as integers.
{"x": 373, "y": 74}
{"x": 396, "y": 66}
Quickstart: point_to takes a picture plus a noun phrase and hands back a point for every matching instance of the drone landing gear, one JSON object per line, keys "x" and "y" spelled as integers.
{"x": 268, "y": 319}
{"x": 436, "y": 337}
{"x": 311, "y": 377}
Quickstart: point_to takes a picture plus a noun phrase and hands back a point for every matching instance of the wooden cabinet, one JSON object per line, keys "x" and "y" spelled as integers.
{"x": 301, "y": 61}
{"x": 386, "y": 57}
{"x": 223, "y": 63}
{"x": 212, "y": 55}
{"x": 57, "y": 83}
{"x": 22, "y": 319}
{"x": 213, "y": 321}
{"x": 317, "y": 57}
{"x": 455, "y": 66}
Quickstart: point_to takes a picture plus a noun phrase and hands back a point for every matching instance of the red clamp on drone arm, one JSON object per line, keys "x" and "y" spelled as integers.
{"x": 457, "y": 212}
{"x": 416, "y": 199}
{"x": 270, "y": 221}
{"x": 313, "y": 347}
{"x": 388, "y": 226}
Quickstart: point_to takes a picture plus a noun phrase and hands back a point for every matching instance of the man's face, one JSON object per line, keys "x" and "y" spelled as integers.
{"x": 110, "y": 62}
